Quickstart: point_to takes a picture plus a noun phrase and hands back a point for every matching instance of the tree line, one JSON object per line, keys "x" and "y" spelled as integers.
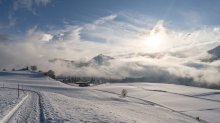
{"x": 75, "y": 79}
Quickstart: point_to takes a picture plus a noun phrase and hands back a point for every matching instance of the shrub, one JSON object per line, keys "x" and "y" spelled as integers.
{"x": 124, "y": 93}
{"x": 40, "y": 71}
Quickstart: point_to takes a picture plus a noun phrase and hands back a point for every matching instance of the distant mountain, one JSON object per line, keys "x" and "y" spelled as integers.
{"x": 101, "y": 59}
{"x": 94, "y": 62}
{"x": 216, "y": 54}
{"x": 215, "y": 51}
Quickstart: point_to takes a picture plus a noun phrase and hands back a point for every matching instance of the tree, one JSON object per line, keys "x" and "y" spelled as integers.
{"x": 34, "y": 68}
{"x": 51, "y": 73}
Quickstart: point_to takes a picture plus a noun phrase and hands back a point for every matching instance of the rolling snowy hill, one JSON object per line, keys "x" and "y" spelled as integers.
{"x": 46, "y": 100}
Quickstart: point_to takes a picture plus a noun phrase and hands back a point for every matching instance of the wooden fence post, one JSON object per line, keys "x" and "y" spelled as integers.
{"x": 18, "y": 90}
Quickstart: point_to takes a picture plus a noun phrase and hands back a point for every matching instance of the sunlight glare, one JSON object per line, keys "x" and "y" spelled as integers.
{"x": 154, "y": 41}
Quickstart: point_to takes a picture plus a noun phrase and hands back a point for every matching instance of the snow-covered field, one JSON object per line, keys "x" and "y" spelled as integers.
{"x": 50, "y": 101}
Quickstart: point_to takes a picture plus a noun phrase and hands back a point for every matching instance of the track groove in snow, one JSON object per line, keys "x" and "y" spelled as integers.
{"x": 162, "y": 91}
{"x": 12, "y": 112}
{"x": 40, "y": 105}
{"x": 181, "y": 94}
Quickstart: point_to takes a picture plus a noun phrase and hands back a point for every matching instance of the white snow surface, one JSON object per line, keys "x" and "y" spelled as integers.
{"x": 50, "y": 101}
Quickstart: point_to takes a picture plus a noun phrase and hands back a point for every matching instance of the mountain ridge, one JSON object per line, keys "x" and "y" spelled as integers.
{"x": 95, "y": 61}
{"x": 216, "y": 54}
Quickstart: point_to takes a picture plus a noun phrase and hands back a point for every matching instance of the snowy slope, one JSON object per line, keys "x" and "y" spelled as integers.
{"x": 52, "y": 101}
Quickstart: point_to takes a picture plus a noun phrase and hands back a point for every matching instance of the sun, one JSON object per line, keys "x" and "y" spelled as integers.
{"x": 156, "y": 38}
{"x": 154, "y": 41}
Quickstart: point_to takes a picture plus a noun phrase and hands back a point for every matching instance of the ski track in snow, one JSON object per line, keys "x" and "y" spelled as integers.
{"x": 12, "y": 112}
{"x": 29, "y": 107}
{"x": 49, "y": 101}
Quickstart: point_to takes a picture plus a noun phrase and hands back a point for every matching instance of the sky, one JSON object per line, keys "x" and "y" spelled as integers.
{"x": 145, "y": 37}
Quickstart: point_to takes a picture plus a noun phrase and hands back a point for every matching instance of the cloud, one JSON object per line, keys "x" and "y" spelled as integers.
{"x": 12, "y": 20}
{"x": 70, "y": 34}
{"x": 42, "y": 1}
{"x": 191, "y": 18}
{"x": 47, "y": 37}
{"x": 65, "y": 21}
{"x": 28, "y": 4}
{"x": 186, "y": 36}
{"x": 177, "y": 59}
{"x": 23, "y": 4}
{"x": 34, "y": 35}
{"x": 104, "y": 19}
{"x": 196, "y": 65}
{"x": 216, "y": 29}
{"x": 5, "y": 39}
